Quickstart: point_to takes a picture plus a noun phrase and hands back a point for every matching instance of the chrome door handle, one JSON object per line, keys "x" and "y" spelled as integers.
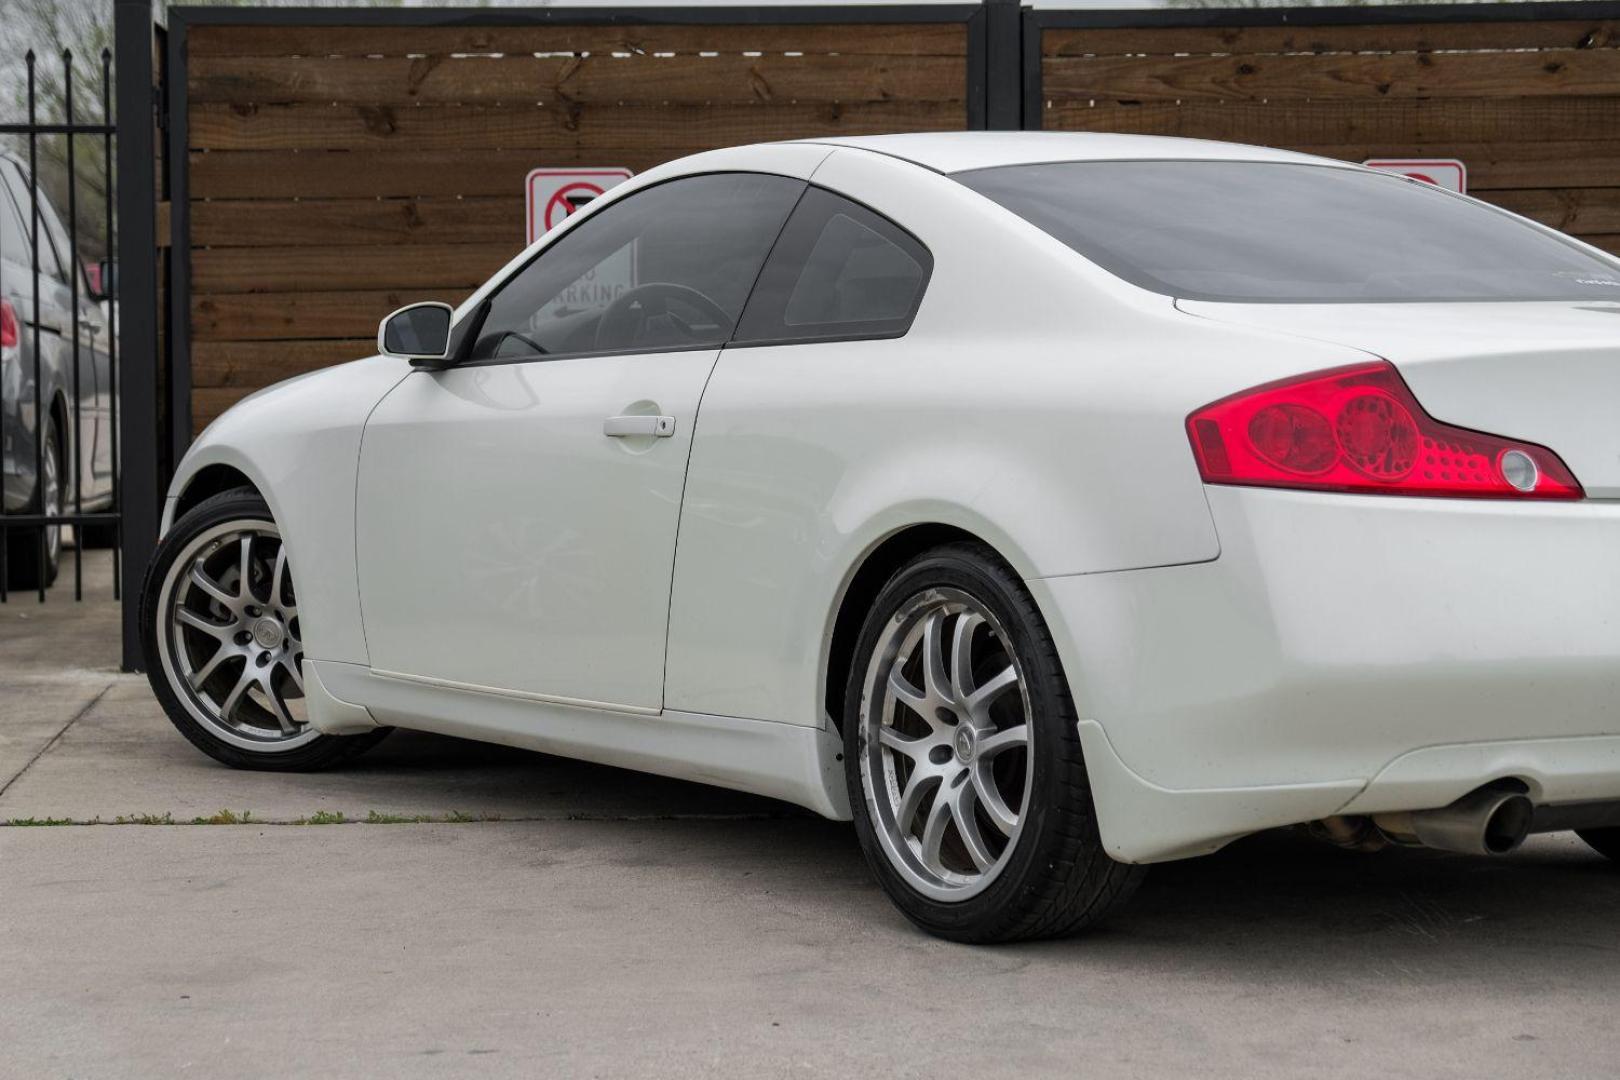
{"x": 619, "y": 427}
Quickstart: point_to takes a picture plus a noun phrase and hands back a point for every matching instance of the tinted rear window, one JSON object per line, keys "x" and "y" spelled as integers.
{"x": 1282, "y": 233}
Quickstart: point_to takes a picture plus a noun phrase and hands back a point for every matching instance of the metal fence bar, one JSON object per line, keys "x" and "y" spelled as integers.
{"x": 33, "y": 226}
{"x": 137, "y": 280}
{"x": 109, "y": 288}
{"x": 77, "y": 434}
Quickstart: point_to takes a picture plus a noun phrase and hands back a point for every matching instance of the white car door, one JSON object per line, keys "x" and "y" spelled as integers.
{"x": 516, "y": 512}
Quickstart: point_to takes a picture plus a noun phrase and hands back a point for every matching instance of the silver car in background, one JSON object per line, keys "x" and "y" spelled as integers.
{"x": 73, "y": 423}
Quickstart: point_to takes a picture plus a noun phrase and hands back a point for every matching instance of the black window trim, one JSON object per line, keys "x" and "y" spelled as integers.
{"x": 855, "y": 335}
{"x": 464, "y": 340}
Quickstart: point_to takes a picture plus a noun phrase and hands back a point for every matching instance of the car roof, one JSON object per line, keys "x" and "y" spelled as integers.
{"x": 958, "y": 151}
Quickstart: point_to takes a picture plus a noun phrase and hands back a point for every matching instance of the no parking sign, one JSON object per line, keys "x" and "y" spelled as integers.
{"x": 1448, "y": 173}
{"x": 553, "y": 194}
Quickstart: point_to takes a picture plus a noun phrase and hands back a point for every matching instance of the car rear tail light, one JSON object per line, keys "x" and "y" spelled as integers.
{"x": 1359, "y": 429}
{"x": 9, "y": 335}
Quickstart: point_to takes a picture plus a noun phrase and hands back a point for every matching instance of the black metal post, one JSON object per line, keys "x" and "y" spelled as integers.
{"x": 76, "y": 435}
{"x": 109, "y": 289}
{"x": 137, "y": 281}
{"x": 1004, "y": 78}
{"x": 39, "y": 374}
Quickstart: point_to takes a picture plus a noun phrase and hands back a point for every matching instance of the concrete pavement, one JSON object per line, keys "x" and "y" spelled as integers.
{"x": 593, "y": 922}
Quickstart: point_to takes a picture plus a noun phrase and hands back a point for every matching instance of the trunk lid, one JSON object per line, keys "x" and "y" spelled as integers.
{"x": 1545, "y": 372}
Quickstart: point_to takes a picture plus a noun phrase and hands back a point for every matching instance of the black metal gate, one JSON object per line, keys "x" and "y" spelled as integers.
{"x": 58, "y": 330}
{"x": 78, "y": 335}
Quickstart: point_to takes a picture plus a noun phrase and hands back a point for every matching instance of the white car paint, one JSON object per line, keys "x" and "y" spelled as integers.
{"x": 1240, "y": 658}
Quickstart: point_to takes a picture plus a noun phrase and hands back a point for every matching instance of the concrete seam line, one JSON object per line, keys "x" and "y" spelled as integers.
{"x": 74, "y": 719}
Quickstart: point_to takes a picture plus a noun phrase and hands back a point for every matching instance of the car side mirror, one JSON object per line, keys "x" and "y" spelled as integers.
{"x": 419, "y": 333}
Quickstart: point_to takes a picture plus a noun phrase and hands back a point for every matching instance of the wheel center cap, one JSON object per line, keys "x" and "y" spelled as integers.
{"x": 964, "y": 741}
{"x": 268, "y": 633}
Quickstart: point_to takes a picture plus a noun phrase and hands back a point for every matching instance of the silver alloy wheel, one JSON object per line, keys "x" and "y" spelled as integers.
{"x": 230, "y": 639}
{"x": 946, "y": 762}
{"x": 52, "y": 503}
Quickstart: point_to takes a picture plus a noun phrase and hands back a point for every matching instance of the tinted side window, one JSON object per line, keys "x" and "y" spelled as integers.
{"x": 49, "y": 264}
{"x": 1276, "y": 232}
{"x": 840, "y": 271}
{"x": 667, "y": 268}
{"x": 13, "y": 237}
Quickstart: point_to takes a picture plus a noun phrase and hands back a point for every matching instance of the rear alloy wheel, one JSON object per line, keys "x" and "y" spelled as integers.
{"x": 1604, "y": 841}
{"x": 224, "y": 641}
{"x": 963, "y": 759}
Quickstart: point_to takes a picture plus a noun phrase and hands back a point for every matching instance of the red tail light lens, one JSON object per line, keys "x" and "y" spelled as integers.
{"x": 1359, "y": 429}
{"x": 9, "y": 335}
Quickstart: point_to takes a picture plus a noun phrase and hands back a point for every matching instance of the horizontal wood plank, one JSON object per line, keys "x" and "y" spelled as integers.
{"x": 284, "y": 223}
{"x": 1372, "y": 36}
{"x": 529, "y": 79}
{"x": 318, "y": 268}
{"x": 253, "y": 364}
{"x": 275, "y": 174}
{"x": 1578, "y": 211}
{"x": 1320, "y": 123}
{"x": 1609, "y": 242}
{"x": 301, "y": 316}
{"x": 1276, "y": 78}
{"x": 670, "y": 130}
{"x": 894, "y": 39}
{"x": 1495, "y": 166}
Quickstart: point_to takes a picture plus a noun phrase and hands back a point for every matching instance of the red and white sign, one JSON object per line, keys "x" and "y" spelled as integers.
{"x": 553, "y": 194}
{"x": 1448, "y": 173}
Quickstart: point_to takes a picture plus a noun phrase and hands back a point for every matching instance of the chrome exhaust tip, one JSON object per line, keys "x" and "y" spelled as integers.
{"x": 1490, "y": 821}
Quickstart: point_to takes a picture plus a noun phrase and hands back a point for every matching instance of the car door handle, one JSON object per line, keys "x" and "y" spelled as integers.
{"x": 619, "y": 427}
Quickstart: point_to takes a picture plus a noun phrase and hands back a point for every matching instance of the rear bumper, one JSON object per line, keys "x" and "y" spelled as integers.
{"x": 1346, "y": 654}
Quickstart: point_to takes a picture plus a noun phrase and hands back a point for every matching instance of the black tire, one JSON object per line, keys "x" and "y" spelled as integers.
{"x": 323, "y": 751}
{"x": 1054, "y": 877}
{"x": 1604, "y": 841}
{"x": 22, "y": 545}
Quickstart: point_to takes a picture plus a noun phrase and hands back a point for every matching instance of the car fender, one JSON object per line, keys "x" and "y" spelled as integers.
{"x": 298, "y": 443}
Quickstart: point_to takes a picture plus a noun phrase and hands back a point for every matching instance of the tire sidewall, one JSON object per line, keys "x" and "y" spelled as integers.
{"x": 238, "y": 505}
{"x": 1049, "y": 718}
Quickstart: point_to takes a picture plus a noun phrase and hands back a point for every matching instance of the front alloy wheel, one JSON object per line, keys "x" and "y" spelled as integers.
{"x": 232, "y": 642}
{"x": 962, "y": 756}
{"x": 224, "y": 641}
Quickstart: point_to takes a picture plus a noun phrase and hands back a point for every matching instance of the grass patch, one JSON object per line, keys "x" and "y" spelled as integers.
{"x": 374, "y": 818}
{"x": 323, "y": 817}
{"x": 226, "y": 817}
{"x": 245, "y": 817}
{"x": 144, "y": 819}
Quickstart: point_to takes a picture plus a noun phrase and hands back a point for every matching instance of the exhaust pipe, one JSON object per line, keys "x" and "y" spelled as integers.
{"x": 1489, "y": 821}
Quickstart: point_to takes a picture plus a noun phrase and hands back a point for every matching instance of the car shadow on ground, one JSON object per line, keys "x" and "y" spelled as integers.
{"x": 1290, "y": 903}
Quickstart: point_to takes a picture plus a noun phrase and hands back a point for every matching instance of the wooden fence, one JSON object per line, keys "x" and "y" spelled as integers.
{"x": 329, "y": 166}
{"x": 1530, "y": 103}
{"x": 337, "y": 172}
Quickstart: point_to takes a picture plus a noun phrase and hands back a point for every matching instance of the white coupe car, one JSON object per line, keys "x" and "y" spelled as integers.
{"x": 1048, "y": 504}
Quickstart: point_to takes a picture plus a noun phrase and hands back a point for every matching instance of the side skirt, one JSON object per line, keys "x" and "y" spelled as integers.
{"x": 798, "y": 764}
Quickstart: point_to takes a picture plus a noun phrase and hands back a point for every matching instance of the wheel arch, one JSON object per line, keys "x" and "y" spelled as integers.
{"x": 208, "y": 481}
{"x": 865, "y": 579}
